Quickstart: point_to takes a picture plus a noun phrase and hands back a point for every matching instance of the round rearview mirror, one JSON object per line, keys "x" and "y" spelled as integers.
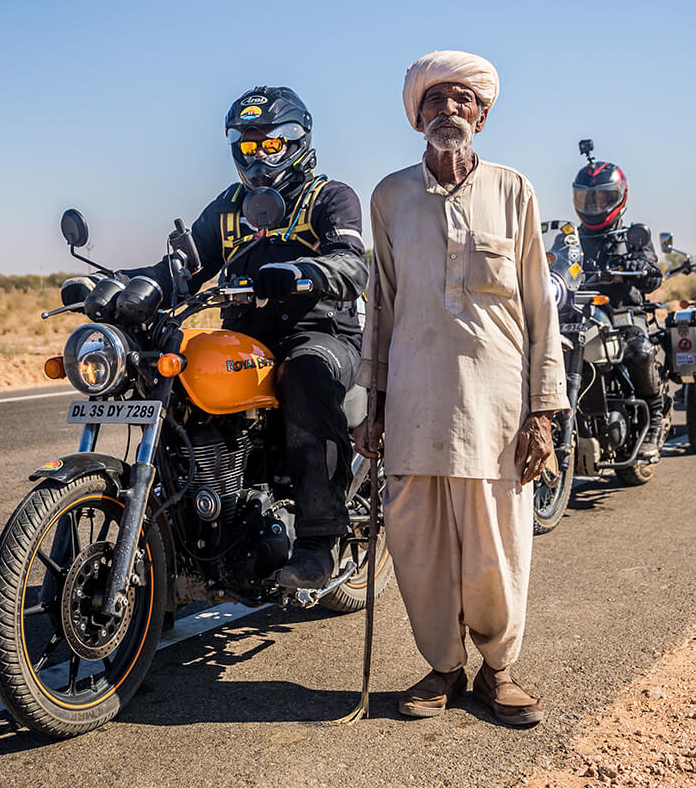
{"x": 264, "y": 208}
{"x": 638, "y": 236}
{"x": 74, "y": 227}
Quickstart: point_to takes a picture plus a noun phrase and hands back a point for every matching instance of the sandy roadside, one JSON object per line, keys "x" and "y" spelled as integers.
{"x": 647, "y": 739}
{"x": 23, "y": 371}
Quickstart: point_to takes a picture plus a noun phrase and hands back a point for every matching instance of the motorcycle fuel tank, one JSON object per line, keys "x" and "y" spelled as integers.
{"x": 227, "y": 372}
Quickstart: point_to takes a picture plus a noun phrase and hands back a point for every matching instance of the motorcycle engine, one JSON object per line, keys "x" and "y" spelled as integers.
{"x": 234, "y": 530}
{"x": 219, "y": 476}
{"x": 617, "y": 428}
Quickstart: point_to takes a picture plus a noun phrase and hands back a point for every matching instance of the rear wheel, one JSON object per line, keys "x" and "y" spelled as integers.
{"x": 636, "y": 475}
{"x": 65, "y": 667}
{"x": 352, "y": 595}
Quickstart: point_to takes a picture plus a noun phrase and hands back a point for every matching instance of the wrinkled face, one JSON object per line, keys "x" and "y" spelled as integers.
{"x": 450, "y": 116}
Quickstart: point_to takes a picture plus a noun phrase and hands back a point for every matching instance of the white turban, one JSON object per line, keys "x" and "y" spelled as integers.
{"x": 449, "y": 66}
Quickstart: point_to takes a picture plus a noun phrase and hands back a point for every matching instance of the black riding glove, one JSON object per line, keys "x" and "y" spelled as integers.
{"x": 277, "y": 281}
{"x": 652, "y": 276}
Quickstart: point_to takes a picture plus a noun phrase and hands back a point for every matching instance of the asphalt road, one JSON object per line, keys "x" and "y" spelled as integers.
{"x": 246, "y": 704}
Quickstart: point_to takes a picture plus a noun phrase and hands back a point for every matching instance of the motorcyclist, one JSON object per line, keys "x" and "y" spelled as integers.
{"x": 314, "y": 336}
{"x": 600, "y": 193}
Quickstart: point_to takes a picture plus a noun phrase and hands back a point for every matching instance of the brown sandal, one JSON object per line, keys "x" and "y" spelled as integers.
{"x": 429, "y": 697}
{"x": 506, "y": 699}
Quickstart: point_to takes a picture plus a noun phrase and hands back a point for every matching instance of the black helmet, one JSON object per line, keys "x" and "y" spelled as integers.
{"x": 600, "y": 191}
{"x": 277, "y": 112}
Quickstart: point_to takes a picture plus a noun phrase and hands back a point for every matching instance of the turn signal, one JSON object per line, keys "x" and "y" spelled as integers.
{"x": 53, "y": 367}
{"x": 600, "y": 300}
{"x": 684, "y": 303}
{"x": 171, "y": 364}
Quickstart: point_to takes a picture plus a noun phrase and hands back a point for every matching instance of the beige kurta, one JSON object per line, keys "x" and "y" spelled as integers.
{"x": 469, "y": 339}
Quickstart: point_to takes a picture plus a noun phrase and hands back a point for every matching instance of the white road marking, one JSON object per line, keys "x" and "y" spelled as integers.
{"x": 37, "y": 396}
{"x": 184, "y": 628}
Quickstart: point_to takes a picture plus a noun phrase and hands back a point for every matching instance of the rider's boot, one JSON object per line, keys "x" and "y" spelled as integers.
{"x": 650, "y": 447}
{"x": 311, "y": 564}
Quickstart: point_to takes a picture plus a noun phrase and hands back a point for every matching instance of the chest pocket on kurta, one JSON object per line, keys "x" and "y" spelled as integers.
{"x": 492, "y": 266}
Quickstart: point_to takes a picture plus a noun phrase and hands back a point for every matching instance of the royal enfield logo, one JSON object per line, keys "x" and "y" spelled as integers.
{"x": 254, "y": 100}
{"x": 255, "y": 362}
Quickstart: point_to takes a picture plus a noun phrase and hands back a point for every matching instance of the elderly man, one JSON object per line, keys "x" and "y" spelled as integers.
{"x": 470, "y": 372}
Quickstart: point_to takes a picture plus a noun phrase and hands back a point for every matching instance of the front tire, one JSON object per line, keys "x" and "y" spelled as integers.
{"x": 551, "y": 496}
{"x": 65, "y": 668}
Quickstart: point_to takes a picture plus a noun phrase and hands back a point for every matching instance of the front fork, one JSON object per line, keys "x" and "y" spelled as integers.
{"x": 142, "y": 476}
{"x": 573, "y": 381}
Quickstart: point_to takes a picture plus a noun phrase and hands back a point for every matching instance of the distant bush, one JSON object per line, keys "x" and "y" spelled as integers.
{"x": 32, "y": 282}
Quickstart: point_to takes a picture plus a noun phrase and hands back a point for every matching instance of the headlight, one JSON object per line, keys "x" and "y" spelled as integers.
{"x": 559, "y": 290}
{"x": 95, "y": 359}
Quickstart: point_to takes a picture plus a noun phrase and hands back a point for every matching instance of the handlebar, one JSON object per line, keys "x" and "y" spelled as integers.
{"x": 245, "y": 293}
{"x": 611, "y": 272}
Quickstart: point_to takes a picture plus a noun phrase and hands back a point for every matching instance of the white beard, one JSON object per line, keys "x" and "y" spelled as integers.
{"x": 449, "y": 134}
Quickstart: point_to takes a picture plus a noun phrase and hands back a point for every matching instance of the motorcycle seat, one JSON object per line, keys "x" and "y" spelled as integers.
{"x": 355, "y": 405}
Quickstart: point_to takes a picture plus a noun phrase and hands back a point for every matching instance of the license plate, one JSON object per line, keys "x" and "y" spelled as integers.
{"x": 572, "y": 328}
{"x": 623, "y": 318}
{"x": 137, "y": 412}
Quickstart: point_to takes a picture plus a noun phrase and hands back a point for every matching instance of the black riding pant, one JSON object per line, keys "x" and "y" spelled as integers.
{"x": 316, "y": 370}
{"x": 640, "y": 361}
{"x": 642, "y": 368}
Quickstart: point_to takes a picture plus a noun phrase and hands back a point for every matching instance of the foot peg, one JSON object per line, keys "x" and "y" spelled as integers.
{"x": 308, "y": 597}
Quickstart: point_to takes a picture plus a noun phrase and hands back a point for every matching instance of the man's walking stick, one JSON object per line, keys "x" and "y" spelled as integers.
{"x": 363, "y": 708}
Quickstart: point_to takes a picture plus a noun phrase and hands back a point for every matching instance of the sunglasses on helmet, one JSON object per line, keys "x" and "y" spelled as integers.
{"x": 277, "y": 136}
{"x": 269, "y": 145}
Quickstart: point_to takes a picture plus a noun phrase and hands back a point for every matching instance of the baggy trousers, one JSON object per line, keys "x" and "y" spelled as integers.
{"x": 462, "y": 553}
{"x": 315, "y": 372}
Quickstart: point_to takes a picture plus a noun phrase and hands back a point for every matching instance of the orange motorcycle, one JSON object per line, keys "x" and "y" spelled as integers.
{"x": 103, "y": 549}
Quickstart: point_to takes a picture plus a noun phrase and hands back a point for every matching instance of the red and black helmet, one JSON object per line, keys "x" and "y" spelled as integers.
{"x": 600, "y": 191}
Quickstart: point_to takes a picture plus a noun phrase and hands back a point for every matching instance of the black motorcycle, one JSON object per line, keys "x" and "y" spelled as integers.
{"x": 103, "y": 548}
{"x": 607, "y": 422}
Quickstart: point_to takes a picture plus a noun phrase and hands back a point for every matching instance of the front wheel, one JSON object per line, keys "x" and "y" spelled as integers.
{"x": 65, "y": 667}
{"x": 551, "y": 496}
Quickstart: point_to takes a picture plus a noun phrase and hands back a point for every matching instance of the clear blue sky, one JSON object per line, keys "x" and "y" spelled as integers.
{"x": 118, "y": 108}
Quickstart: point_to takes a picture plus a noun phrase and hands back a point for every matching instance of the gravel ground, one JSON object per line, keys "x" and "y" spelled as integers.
{"x": 646, "y": 739}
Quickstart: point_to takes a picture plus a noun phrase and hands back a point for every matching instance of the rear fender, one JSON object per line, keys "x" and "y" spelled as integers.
{"x": 74, "y": 466}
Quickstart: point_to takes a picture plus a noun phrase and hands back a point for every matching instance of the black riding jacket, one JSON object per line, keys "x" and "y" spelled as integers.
{"x": 601, "y": 249}
{"x": 338, "y": 258}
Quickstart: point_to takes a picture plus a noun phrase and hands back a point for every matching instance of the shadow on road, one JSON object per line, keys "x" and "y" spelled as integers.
{"x": 594, "y": 492}
{"x": 16, "y": 739}
{"x": 200, "y": 686}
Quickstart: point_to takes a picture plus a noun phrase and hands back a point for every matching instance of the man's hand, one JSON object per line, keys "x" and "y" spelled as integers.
{"x": 365, "y": 443}
{"x": 534, "y": 445}
{"x": 277, "y": 280}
